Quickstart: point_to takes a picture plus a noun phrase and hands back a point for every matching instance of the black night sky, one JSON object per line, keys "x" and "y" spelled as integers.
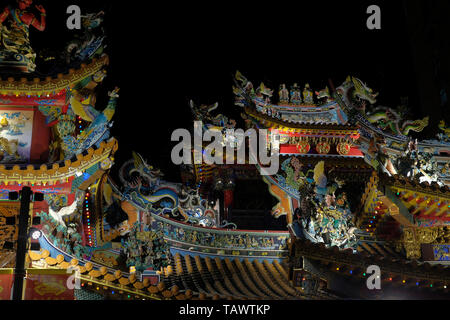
{"x": 163, "y": 55}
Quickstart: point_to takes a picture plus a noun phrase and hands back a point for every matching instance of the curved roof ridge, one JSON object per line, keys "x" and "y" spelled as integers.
{"x": 49, "y": 84}
{"x": 56, "y": 171}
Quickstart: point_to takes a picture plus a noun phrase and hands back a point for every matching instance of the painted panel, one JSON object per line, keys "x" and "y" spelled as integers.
{"x": 6, "y": 283}
{"x": 441, "y": 252}
{"x": 47, "y": 284}
{"x": 16, "y": 128}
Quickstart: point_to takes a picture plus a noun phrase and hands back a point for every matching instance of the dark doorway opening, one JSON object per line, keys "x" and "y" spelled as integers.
{"x": 252, "y": 207}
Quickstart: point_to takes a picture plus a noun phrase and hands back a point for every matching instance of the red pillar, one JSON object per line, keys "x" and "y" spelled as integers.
{"x": 227, "y": 201}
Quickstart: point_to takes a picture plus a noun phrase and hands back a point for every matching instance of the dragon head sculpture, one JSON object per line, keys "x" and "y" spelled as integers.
{"x": 362, "y": 91}
{"x": 144, "y": 169}
{"x": 136, "y": 173}
{"x": 203, "y": 112}
{"x": 323, "y": 94}
{"x": 356, "y": 94}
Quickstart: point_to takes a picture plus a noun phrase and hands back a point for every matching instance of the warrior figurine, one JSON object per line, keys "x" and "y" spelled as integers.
{"x": 308, "y": 96}
{"x": 296, "y": 97}
{"x": 15, "y": 44}
{"x": 283, "y": 94}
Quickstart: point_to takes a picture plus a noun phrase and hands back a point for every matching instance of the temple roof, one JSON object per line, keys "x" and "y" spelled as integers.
{"x": 274, "y": 122}
{"x": 189, "y": 277}
{"x": 416, "y": 200}
{"x": 394, "y": 268}
{"x": 400, "y": 181}
{"x": 59, "y": 171}
{"x": 232, "y": 278}
{"x": 50, "y": 84}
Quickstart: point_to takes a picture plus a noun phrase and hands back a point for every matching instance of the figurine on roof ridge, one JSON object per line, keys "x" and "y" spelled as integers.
{"x": 308, "y": 96}
{"x": 283, "y": 94}
{"x": 296, "y": 97}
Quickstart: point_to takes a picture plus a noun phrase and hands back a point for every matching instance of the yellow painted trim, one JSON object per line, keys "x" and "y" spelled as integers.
{"x": 46, "y": 271}
{"x": 281, "y": 202}
{"x": 56, "y": 174}
{"x": 7, "y": 271}
{"x": 50, "y": 85}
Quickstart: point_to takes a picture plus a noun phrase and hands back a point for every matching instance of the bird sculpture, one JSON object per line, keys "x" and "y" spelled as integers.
{"x": 65, "y": 211}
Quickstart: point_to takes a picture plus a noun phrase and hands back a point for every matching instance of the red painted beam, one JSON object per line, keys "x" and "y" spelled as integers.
{"x": 292, "y": 149}
{"x": 58, "y": 99}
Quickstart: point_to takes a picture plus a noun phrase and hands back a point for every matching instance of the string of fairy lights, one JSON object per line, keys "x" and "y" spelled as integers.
{"x": 88, "y": 218}
{"x": 80, "y": 125}
{"x": 113, "y": 292}
{"x": 404, "y": 279}
{"x": 48, "y": 95}
{"x": 378, "y": 212}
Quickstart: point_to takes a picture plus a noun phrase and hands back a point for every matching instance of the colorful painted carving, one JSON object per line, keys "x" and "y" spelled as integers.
{"x": 82, "y": 96}
{"x": 419, "y": 165}
{"x": 146, "y": 249}
{"x": 442, "y": 252}
{"x": 324, "y": 95}
{"x": 376, "y": 155}
{"x": 303, "y": 146}
{"x": 356, "y": 94}
{"x": 15, "y": 48}
{"x": 218, "y": 123}
{"x": 388, "y": 119}
{"x": 246, "y": 85}
{"x": 9, "y": 150}
{"x": 296, "y": 97}
{"x": 15, "y": 135}
{"x": 64, "y": 211}
{"x": 264, "y": 93}
{"x": 308, "y": 96}
{"x": 63, "y": 229}
{"x": 203, "y": 112}
{"x": 95, "y": 133}
{"x": 323, "y": 147}
{"x": 343, "y": 148}
{"x": 218, "y": 238}
{"x": 283, "y": 94}
{"x": 91, "y": 43}
{"x": 445, "y": 135}
{"x": 144, "y": 188}
{"x": 324, "y": 214}
{"x": 294, "y": 175}
{"x": 156, "y": 216}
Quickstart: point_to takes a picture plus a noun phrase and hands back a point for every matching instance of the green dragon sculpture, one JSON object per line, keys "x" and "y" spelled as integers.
{"x": 445, "y": 135}
{"x": 388, "y": 119}
{"x": 362, "y": 91}
{"x": 356, "y": 94}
